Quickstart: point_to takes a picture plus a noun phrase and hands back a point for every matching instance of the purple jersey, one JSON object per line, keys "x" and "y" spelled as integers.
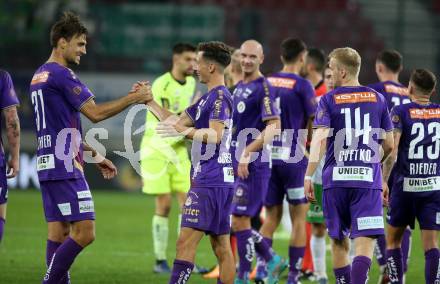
{"x": 395, "y": 93}
{"x": 211, "y": 163}
{"x": 295, "y": 99}
{"x": 254, "y": 104}
{"x": 356, "y": 117}
{"x": 57, "y": 96}
{"x": 418, "y": 163}
{"x": 8, "y": 98}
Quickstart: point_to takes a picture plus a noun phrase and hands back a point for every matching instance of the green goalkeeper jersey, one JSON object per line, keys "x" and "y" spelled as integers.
{"x": 174, "y": 96}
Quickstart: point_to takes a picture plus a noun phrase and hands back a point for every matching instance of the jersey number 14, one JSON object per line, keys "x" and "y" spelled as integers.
{"x": 360, "y": 129}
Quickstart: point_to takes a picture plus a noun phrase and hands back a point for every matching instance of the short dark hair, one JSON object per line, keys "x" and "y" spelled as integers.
{"x": 317, "y": 57}
{"x": 182, "y": 47}
{"x": 68, "y": 26}
{"x": 216, "y": 51}
{"x": 424, "y": 80}
{"x": 291, "y": 48}
{"x": 392, "y": 59}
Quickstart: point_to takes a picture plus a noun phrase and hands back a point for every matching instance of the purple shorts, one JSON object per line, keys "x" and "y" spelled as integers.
{"x": 68, "y": 200}
{"x": 3, "y": 186}
{"x": 354, "y": 212}
{"x": 286, "y": 180}
{"x": 250, "y": 193}
{"x": 405, "y": 207}
{"x": 208, "y": 209}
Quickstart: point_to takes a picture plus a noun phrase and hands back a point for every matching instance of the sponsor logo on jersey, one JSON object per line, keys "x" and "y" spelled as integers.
{"x": 40, "y": 77}
{"x": 353, "y": 174}
{"x": 228, "y": 174}
{"x": 421, "y": 184}
{"x": 402, "y": 91}
{"x": 424, "y": 113}
{"x": 351, "y": 98}
{"x": 45, "y": 162}
{"x": 286, "y": 83}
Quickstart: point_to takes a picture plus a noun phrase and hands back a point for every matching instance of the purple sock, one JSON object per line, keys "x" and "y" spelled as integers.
{"x": 342, "y": 275}
{"x": 380, "y": 250}
{"x": 51, "y": 247}
{"x": 360, "y": 268}
{"x": 431, "y": 266}
{"x": 406, "y": 247}
{"x": 219, "y": 281}
{"x": 394, "y": 265}
{"x": 181, "y": 271}
{"x": 263, "y": 249}
{"x": 2, "y": 226}
{"x": 296, "y": 255}
{"x": 61, "y": 261}
{"x": 246, "y": 252}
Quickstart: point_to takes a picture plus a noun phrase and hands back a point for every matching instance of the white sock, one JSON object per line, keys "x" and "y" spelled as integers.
{"x": 318, "y": 248}
{"x": 160, "y": 237}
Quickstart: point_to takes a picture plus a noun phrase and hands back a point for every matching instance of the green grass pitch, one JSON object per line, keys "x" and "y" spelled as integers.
{"x": 123, "y": 249}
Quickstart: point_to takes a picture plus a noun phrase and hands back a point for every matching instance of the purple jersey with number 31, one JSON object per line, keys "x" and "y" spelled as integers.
{"x": 356, "y": 116}
{"x": 57, "y": 96}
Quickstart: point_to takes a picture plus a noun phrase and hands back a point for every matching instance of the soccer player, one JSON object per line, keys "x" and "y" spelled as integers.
{"x": 233, "y": 73}
{"x": 8, "y": 104}
{"x": 255, "y": 114}
{"x": 165, "y": 165}
{"x": 314, "y": 70}
{"x": 296, "y": 99}
{"x": 208, "y": 123}
{"x": 58, "y": 97}
{"x": 352, "y": 179}
{"x": 415, "y": 192}
{"x": 388, "y": 67}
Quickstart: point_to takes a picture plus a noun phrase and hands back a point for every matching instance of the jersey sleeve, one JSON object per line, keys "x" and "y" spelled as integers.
{"x": 158, "y": 88}
{"x": 191, "y": 111}
{"x": 8, "y": 97}
{"x": 74, "y": 91}
{"x": 267, "y": 104}
{"x": 396, "y": 118}
{"x": 309, "y": 99}
{"x": 386, "y": 123}
{"x": 322, "y": 117}
{"x": 221, "y": 109}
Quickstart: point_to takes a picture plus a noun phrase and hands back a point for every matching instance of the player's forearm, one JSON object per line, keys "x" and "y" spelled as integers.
{"x": 317, "y": 149}
{"x": 13, "y": 131}
{"x": 112, "y": 108}
{"x": 272, "y": 129}
{"x": 91, "y": 151}
{"x": 387, "y": 167}
{"x": 159, "y": 112}
{"x": 204, "y": 135}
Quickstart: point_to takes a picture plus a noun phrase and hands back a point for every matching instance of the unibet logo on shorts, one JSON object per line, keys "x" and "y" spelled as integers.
{"x": 86, "y": 206}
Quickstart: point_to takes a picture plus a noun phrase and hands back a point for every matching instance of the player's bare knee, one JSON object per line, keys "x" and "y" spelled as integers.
{"x": 239, "y": 223}
{"x": 343, "y": 244}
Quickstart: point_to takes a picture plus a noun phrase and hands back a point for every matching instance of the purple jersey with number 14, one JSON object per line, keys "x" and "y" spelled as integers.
{"x": 57, "y": 96}
{"x": 356, "y": 117}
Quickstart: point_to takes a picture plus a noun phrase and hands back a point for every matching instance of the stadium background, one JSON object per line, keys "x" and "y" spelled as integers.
{"x": 131, "y": 40}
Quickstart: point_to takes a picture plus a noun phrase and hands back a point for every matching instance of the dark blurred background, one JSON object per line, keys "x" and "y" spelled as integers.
{"x": 131, "y": 40}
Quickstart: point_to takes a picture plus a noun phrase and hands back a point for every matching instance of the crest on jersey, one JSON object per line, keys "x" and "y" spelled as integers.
{"x": 321, "y": 114}
{"x": 395, "y": 118}
{"x": 241, "y": 106}
{"x": 77, "y": 90}
{"x": 188, "y": 201}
